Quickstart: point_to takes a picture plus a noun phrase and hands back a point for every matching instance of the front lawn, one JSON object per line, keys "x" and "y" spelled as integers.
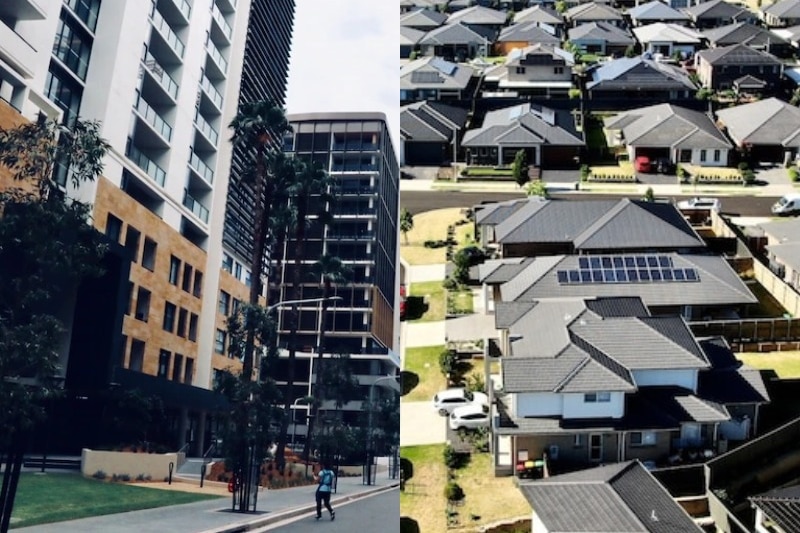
{"x": 428, "y": 226}
{"x": 42, "y": 499}
{"x": 423, "y": 362}
{"x": 460, "y": 302}
{"x": 785, "y": 364}
{"x": 430, "y": 294}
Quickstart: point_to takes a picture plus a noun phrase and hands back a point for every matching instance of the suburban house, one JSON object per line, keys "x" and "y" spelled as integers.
{"x": 790, "y": 34}
{"x": 541, "y": 70}
{"x": 589, "y": 380}
{"x": 458, "y": 5}
{"x": 657, "y": 11}
{"x": 751, "y": 35}
{"x": 409, "y": 40}
{"x": 718, "y": 13}
{"x": 727, "y": 67}
{"x": 544, "y": 16}
{"x": 668, "y": 131}
{"x": 422, "y": 19}
{"x": 613, "y": 498}
{"x": 484, "y": 19}
{"x": 454, "y": 42}
{"x": 549, "y": 137}
{"x": 600, "y": 38}
{"x": 593, "y": 12}
{"x": 668, "y": 40}
{"x": 783, "y": 249}
{"x": 433, "y": 78}
{"x": 412, "y": 5}
{"x": 777, "y": 510}
{"x": 766, "y": 130}
{"x": 523, "y": 35}
{"x": 639, "y": 77}
{"x": 429, "y": 133}
{"x": 782, "y": 14}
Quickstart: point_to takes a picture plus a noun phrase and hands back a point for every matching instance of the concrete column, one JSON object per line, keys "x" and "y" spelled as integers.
{"x": 200, "y": 437}
{"x": 183, "y": 426}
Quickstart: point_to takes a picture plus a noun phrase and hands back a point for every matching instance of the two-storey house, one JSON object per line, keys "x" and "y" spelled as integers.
{"x": 729, "y": 67}
{"x": 540, "y": 70}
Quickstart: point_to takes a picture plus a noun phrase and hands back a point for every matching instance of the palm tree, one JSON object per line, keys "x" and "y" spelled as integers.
{"x": 311, "y": 182}
{"x": 406, "y": 223}
{"x": 259, "y": 126}
{"x": 332, "y": 271}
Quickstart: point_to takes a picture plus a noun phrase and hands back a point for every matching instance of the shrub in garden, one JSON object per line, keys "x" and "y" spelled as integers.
{"x": 453, "y": 492}
{"x": 99, "y": 475}
{"x": 585, "y": 172}
{"x": 448, "y": 362}
{"x": 454, "y": 459}
{"x": 794, "y": 175}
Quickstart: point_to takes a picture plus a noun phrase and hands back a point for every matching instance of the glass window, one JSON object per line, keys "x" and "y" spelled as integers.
{"x": 113, "y": 227}
{"x": 136, "y": 360}
{"x": 174, "y": 269}
{"x": 219, "y": 341}
{"x": 86, "y": 10}
{"x": 66, "y": 93}
{"x": 197, "y": 286}
{"x": 177, "y": 367}
{"x": 702, "y": 156}
{"x": 717, "y": 155}
{"x": 227, "y": 263}
{"x": 237, "y": 270}
{"x": 643, "y": 438}
{"x": 193, "y": 327}
{"x": 72, "y": 47}
{"x": 187, "y": 277}
{"x": 163, "y": 363}
{"x": 169, "y": 317}
{"x": 188, "y": 371}
{"x": 142, "y": 304}
{"x": 132, "y": 242}
{"x": 224, "y": 302}
{"x": 183, "y": 315}
{"x": 149, "y": 254}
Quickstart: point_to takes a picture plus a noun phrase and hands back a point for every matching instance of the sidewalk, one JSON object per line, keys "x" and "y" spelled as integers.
{"x": 215, "y": 516}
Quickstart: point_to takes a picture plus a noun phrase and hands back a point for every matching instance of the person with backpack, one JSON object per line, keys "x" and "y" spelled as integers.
{"x": 323, "y": 495}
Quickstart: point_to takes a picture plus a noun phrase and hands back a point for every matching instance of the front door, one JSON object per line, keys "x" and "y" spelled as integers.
{"x": 595, "y": 447}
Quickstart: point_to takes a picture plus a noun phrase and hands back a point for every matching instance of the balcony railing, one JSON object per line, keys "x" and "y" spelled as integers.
{"x": 72, "y": 59}
{"x": 184, "y": 7}
{"x": 144, "y": 163}
{"x": 216, "y": 55}
{"x": 210, "y": 133}
{"x": 220, "y": 18}
{"x": 151, "y": 117}
{"x": 201, "y": 168}
{"x": 164, "y": 28}
{"x": 195, "y": 207}
{"x": 160, "y": 74}
{"x": 211, "y": 91}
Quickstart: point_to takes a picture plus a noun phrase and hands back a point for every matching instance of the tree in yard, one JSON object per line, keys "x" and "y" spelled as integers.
{"x": 519, "y": 169}
{"x": 537, "y": 188}
{"x": 47, "y": 246}
{"x": 406, "y": 223}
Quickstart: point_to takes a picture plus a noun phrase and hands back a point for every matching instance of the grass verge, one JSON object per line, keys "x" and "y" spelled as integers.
{"x": 433, "y": 294}
{"x": 424, "y": 362}
{"x": 43, "y": 499}
{"x": 785, "y": 364}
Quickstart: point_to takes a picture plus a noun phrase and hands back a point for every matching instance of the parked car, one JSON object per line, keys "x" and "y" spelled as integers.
{"x": 789, "y": 204}
{"x": 700, "y": 204}
{"x": 642, "y": 164}
{"x": 469, "y": 417}
{"x": 445, "y": 401}
{"x": 664, "y": 166}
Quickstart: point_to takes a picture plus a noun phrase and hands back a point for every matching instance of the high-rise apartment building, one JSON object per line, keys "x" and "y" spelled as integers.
{"x": 163, "y": 77}
{"x": 356, "y": 150}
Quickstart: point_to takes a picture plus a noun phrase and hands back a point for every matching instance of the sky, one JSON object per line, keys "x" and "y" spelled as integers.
{"x": 344, "y": 58}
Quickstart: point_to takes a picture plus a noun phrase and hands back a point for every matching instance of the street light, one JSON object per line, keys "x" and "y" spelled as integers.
{"x": 369, "y": 425}
{"x": 306, "y": 399}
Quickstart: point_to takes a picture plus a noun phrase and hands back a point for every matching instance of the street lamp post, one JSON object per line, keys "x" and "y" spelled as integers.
{"x": 370, "y": 451}
{"x": 294, "y": 418}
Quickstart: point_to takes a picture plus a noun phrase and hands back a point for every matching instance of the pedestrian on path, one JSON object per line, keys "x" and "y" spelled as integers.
{"x": 323, "y": 495}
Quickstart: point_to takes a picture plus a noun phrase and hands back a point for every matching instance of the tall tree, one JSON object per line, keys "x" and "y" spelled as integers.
{"x": 47, "y": 246}
{"x": 406, "y": 223}
{"x": 520, "y": 168}
{"x": 332, "y": 436}
{"x": 331, "y": 271}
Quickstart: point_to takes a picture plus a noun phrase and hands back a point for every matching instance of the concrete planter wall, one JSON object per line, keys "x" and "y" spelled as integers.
{"x": 155, "y": 465}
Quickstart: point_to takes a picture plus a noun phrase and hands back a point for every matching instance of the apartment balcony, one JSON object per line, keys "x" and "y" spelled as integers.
{"x": 213, "y": 98}
{"x": 201, "y": 169}
{"x": 193, "y": 205}
{"x": 216, "y": 65}
{"x": 220, "y": 29}
{"x": 146, "y": 164}
{"x": 159, "y": 75}
{"x": 167, "y": 35}
{"x": 227, "y": 5}
{"x": 161, "y": 131}
{"x": 23, "y": 9}
{"x": 16, "y": 51}
{"x": 209, "y": 134}
{"x": 176, "y": 12}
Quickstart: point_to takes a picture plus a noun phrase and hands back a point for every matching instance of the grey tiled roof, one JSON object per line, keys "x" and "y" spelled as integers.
{"x": 682, "y": 405}
{"x": 506, "y": 270}
{"x": 742, "y": 32}
{"x": 552, "y": 221}
{"x": 782, "y": 506}
{"x": 636, "y": 73}
{"x": 602, "y": 32}
{"x": 592, "y": 11}
{"x": 656, "y": 10}
{"x": 526, "y": 123}
{"x": 788, "y": 254}
{"x": 528, "y": 32}
{"x": 674, "y": 33}
{"x": 430, "y": 121}
{"x": 539, "y": 13}
{"x": 410, "y": 36}
{"x": 494, "y": 213}
{"x": 434, "y": 73}
{"x": 737, "y": 54}
{"x": 716, "y": 9}
{"x": 507, "y": 313}
{"x": 452, "y": 34}
{"x": 615, "y": 307}
{"x": 768, "y": 121}
{"x": 478, "y": 15}
{"x": 784, "y": 8}
{"x": 423, "y": 18}
{"x": 784, "y": 230}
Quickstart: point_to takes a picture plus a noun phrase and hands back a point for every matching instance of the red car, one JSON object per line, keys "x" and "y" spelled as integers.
{"x": 402, "y": 302}
{"x": 642, "y": 164}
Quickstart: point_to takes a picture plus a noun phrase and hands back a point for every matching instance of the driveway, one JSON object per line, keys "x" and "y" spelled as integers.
{"x": 420, "y": 424}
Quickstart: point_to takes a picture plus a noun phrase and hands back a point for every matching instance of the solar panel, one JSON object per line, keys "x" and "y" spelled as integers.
{"x": 604, "y": 269}
{"x": 583, "y": 262}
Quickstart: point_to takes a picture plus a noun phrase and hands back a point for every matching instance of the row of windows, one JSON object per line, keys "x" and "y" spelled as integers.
{"x": 228, "y": 305}
{"x": 235, "y": 268}
{"x": 556, "y": 70}
{"x": 186, "y": 321}
{"x": 704, "y": 155}
{"x": 638, "y": 438}
{"x": 170, "y": 366}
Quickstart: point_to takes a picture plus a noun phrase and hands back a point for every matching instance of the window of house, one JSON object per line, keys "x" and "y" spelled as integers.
{"x": 142, "y": 304}
{"x": 129, "y": 299}
{"x": 136, "y": 359}
{"x": 113, "y": 227}
{"x": 224, "y": 302}
{"x": 193, "y": 327}
{"x": 197, "y": 285}
{"x": 558, "y": 70}
{"x": 65, "y": 92}
{"x": 717, "y": 155}
{"x": 183, "y": 315}
{"x": 520, "y": 70}
{"x": 177, "y": 367}
{"x": 187, "y": 277}
{"x": 576, "y": 440}
{"x": 219, "y": 341}
{"x": 169, "y": 317}
{"x": 643, "y": 438}
{"x": 132, "y": 242}
{"x": 163, "y": 363}
{"x": 227, "y": 263}
{"x": 597, "y": 397}
{"x": 237, "y": 270}
{"x": 149, "y": 254}
{"x": 703, "y": 156}
{"x": 174, "y": 269}
{"x": 235, "y": 306}
{"x": 247, "y": 278}
{"x": 188, "y": 371}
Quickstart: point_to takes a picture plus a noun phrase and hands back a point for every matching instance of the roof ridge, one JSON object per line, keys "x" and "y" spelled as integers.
{"x": 600, "y": 222}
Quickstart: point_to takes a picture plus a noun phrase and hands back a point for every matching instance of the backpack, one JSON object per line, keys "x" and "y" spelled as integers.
{"x": 327, "y": 478}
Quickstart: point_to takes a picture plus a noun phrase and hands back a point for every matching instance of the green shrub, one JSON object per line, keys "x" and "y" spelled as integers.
{"x": 450, "y": 283}
{"x": 125, "y": 478}
{"x": 448, "y": 362}
{"x": 453, "y": 492}
{"x": 99, "y": 475}
{"x": 585, "y": 172}
{"x": 748, "y": 177}
{"x": 794, "y": 175}
{"x": 743, "y": 166}
{"x": 435, "y": 243}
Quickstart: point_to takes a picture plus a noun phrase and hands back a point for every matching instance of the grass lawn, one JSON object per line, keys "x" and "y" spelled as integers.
{"x": 42, "y": 499}
{"x": 785, "y": 364}
{"x": 429, "y": 226}
{"x": 424, "y": 362}
{"x": 465, "y": 235}
{"x": 423, "y": 499}
{"x": 433, "y": 294}
{"x": 460, "y": 302}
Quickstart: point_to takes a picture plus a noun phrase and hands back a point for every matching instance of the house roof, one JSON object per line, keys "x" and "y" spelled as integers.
{"x": 782, "y": 506}
{"x": 530, "y": 55}
{"x": 434, "y": 73}
{"x": 744, "y": 33}
{"x": 639, "y": 72}
{"x": 539, "y": 13}
{"x": 784, "y": 230}
{"x": 592, "y": 11}
{"x": 525, "y": 124}
{"x": 423, "y": 18}
{"x": 717, "y": 283}
{"x": 791, "y": 33}
{"x": 600, "y": 31}
{"x": 784, "y": 9}
{"x": 666, "y": 32}
{"x": 529, "y": 32}
{"x": 667, "y": 125}
{"x": 478, "y": 15}
{"x": 623, "y": 224}
{"x": 430, "y": 121}
{"x": 769, "y": 121}
{"x": 788, "y": 254}
{"x": 495, "y": 212}
{"x": 656, "y": 10}
{"x": 457, "y": 33}
{"x": 410, "y": 36}
{"x": 729, "y": 381}
{"x": 620, "y": 498}
{"x": 716, "y": 9}
{"x": 737, "y": 54}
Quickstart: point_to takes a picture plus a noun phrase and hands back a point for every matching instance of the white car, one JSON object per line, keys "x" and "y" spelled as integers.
{"x": 445, "y": 401}
{"x": 469, "y": 417}
{"x": 698, "y": 203}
